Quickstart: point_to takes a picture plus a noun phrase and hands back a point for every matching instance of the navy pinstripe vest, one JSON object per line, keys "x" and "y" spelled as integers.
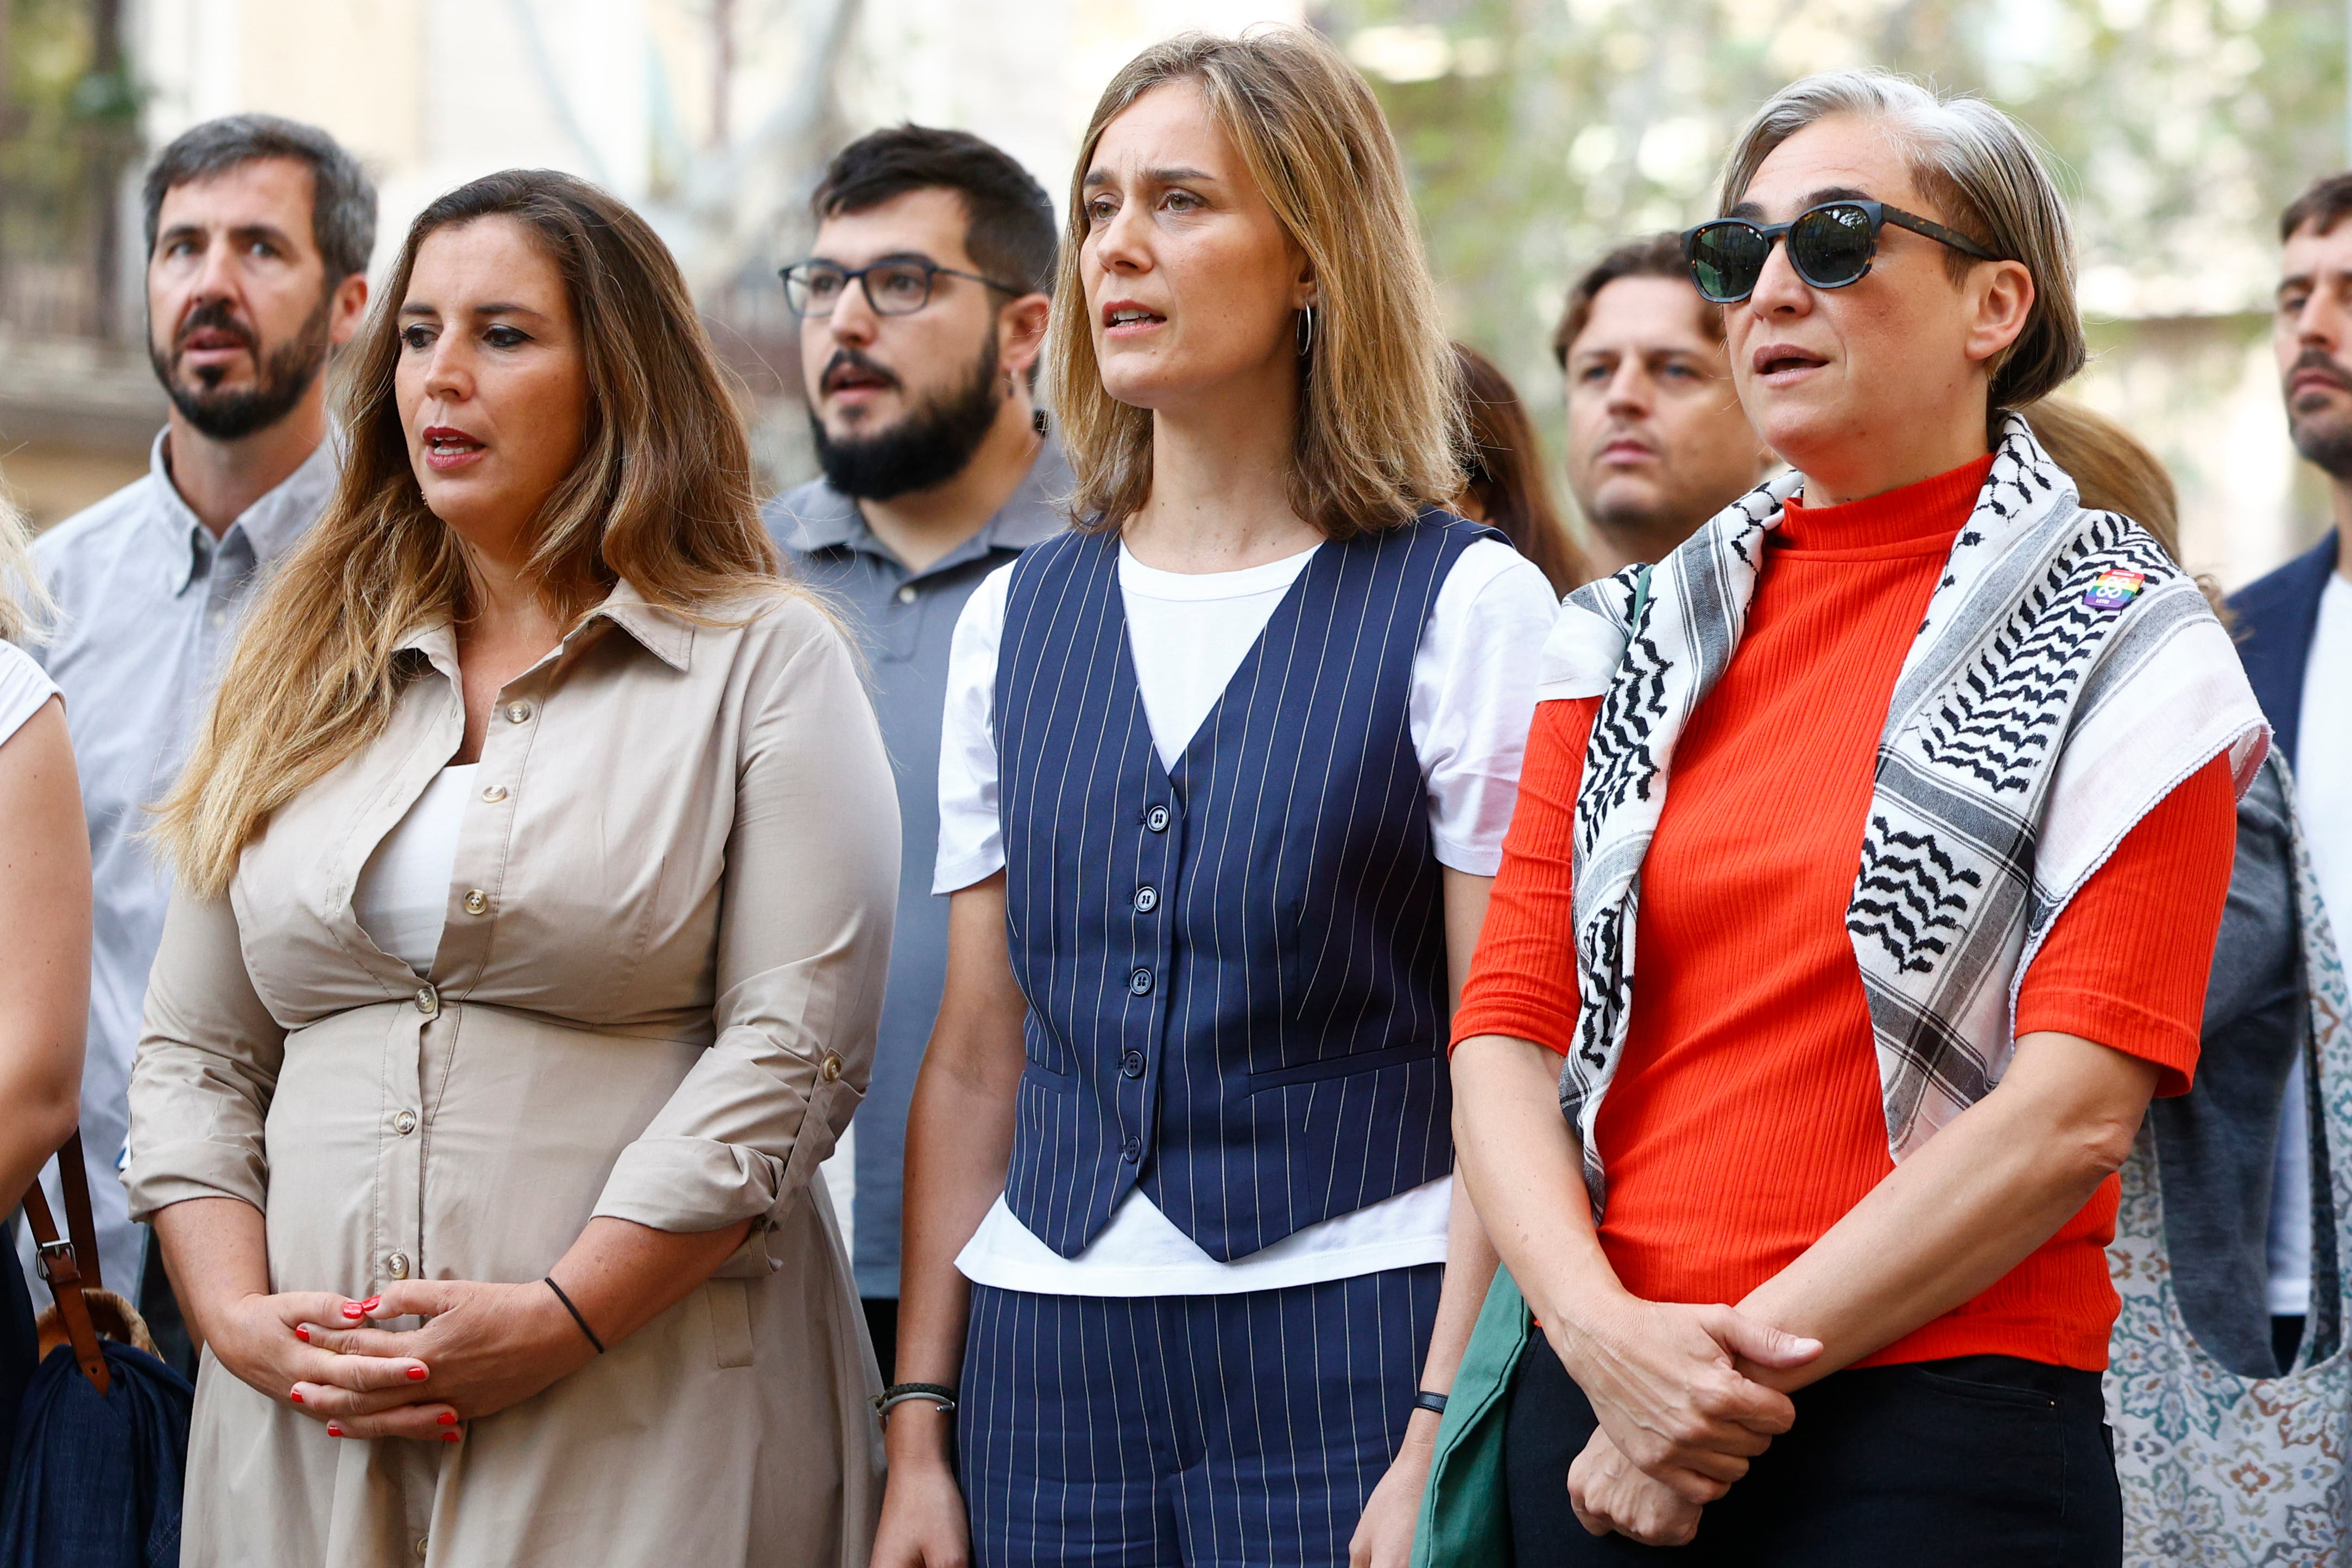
{"x": 1235, "y": 969}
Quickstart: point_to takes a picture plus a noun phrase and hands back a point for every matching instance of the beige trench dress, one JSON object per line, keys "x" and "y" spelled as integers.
{"x": 656, "y": 998}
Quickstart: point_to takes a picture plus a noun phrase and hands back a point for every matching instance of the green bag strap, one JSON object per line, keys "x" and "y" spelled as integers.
{"x": 1465, "y": 1515}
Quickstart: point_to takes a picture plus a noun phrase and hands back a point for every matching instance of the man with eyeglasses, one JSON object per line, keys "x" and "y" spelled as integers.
{"x": 922, "y": 304}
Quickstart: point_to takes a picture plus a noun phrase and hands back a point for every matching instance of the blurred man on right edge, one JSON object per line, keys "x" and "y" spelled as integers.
{"x": 922, "y": 306}
{"x": 1656, "y": 440}
{"x": 2294, "y": 634}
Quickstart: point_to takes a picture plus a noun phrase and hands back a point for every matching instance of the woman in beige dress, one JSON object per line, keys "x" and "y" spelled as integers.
{"x": 537, "y": 868}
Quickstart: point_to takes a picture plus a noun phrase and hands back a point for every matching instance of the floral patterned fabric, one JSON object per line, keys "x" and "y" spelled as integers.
{"x": 2218, "y": 1469}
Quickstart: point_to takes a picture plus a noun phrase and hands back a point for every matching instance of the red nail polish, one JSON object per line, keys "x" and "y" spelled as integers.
{"x": 333, "y": 1430}
{"x": 452, "y": 1437}
{"x": 447, "y": 1418}
{"x": 417, "y": 1375}
{"x": 302, "y": 1332}
{"x": 371, "y": 1304}
{"x": 296, "y": 1396}
{"x": 353, "y": 1309}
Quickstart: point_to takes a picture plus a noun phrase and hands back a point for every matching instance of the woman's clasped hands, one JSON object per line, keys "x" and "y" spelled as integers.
{"x": 481, "y": 1348}
{"x": 1679, "y": 1419}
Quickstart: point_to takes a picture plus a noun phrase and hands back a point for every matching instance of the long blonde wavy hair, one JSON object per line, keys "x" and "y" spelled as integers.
{"x": 24, "y": 604}
{"x": 1381, "y": 429}
{"x": 662, "y": 495}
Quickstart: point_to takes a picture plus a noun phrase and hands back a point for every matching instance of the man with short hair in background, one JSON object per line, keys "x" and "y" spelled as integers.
{"x": 2295, "y": 637}
{"x": 258, "y": 234}
{"x": 1657, "y": 442}
{"x": 923, "y": 306}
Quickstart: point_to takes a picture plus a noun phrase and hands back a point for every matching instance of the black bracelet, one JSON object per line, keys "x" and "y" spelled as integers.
{"x": 550, "y": 1284}
{"x": 1433, "y": 1403}
{"x": 937, "y": 1394}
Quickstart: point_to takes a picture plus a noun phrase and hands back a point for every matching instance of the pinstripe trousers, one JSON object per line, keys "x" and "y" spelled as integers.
{"x": 1140, "y": 1432}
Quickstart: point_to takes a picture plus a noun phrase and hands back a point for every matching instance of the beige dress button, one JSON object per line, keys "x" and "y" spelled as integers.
{"x": 830, "y": 1068}
{"x": 397, "y": 1266}
{"x": 423, "y": 1542}
{"x": 404, "y": 1123}
{"x": 495, "y": 794}
{"x": 428, "y": 1001}
{"x": 477, "y": 900}
{"x": 518, "y": 712}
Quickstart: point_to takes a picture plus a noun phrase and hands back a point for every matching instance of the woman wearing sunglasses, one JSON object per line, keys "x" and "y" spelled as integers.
{"x": 1868, "y": 861}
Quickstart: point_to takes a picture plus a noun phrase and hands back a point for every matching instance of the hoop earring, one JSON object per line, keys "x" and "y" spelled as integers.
{"x": 1305, "y": 331}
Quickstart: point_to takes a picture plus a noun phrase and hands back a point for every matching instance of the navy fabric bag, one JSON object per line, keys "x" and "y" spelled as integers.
{"x": 94, "y": 1482}
{"x": 101, "y": 1435}
{"x": 20, "y": 1346}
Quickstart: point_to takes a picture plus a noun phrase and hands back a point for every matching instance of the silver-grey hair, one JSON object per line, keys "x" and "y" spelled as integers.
{"x": 1986, "y": 174}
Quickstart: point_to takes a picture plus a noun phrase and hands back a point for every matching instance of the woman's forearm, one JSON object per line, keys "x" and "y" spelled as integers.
{"x": 622, "y": 1275}
{"x": 959, "y": 1145}
{"x": 1526, "y": 1175}
{"x": 217, "y": 1252}
{"x": 1964, "y": 1209}
{"x": 44, "y": 966}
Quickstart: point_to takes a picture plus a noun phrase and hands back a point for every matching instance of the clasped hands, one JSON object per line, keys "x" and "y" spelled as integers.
{"x": 1679, "y": 1420}
{"x": 482, "y": 1348}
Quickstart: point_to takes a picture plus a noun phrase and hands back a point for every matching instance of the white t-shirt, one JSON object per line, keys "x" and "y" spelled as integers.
{"x": 24, "y": 687}
{"x": 403, "y": 896}
{"x": 1472, "y": 700}
{"x": 2323, "y": 787}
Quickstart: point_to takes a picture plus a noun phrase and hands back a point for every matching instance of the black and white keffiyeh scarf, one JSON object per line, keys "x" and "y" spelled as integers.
{"x": 2067, "y": 675}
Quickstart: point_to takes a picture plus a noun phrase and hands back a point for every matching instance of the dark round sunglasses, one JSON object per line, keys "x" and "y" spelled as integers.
{"x": 1831, "y": 247}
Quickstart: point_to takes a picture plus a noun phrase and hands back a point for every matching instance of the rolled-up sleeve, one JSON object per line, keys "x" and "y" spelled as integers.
{"x": 208, "y": 1059}
{"x": 807, "y": 899}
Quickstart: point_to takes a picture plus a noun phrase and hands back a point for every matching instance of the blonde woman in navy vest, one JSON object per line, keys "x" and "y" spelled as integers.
{"x": 1224, "y": 782}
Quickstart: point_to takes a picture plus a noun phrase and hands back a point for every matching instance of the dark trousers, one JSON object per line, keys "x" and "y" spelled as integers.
{"x": 1242, "y": 1430}
{"x": 882, "y": 1327}
{"x": 1945, "y": 1464}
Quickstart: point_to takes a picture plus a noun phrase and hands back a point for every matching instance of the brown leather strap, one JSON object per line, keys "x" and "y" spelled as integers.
{"x": 61, "y": 1268}
{"x": 81, "y": 1227}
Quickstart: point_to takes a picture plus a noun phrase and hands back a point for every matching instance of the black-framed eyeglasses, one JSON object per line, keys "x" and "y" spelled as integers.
{"x": 899, "y": 287}
{"x": 1831, "y": 247}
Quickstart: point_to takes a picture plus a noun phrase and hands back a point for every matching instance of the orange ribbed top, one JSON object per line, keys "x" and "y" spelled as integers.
{"x": 1744, "y": 1118}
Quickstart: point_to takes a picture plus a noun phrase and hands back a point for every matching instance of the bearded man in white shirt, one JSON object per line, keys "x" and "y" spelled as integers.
{"x": 258, "y": 234}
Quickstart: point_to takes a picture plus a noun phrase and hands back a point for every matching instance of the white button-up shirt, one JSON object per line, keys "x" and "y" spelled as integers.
{"x": 148, "y": 604}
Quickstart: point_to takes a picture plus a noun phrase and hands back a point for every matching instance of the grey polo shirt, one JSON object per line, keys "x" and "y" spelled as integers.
{"x": 904, "y": 622}
{"x": 148, "y": 605}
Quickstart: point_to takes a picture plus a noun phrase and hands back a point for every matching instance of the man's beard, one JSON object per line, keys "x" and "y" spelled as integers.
{"x": 930, "y": 446}
{"x": 2324, "y": 443}
{"x": 280, "y": 379}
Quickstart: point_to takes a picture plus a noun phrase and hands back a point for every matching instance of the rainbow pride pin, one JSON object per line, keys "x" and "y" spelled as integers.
{"x": 2114, "y": 589}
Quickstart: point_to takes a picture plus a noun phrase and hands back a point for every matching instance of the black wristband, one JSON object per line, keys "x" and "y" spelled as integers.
{"x": 550, "y": 1284}
{"x": 1433, "y": 1403}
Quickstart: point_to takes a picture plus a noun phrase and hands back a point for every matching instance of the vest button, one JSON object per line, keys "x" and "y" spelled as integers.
{"x": 428, "y": 1001}
{"x": 1132, "y": 1151}
{"x": 1145, "y": 899}
{"x": 1156, "y": 819}
{"x": 1140, "y": 982}
{"x": 1132, "y": 1064}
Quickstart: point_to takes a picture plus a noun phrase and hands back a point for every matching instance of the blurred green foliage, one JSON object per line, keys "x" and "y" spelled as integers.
{"x": 1538, "y": 133}
{"x": 69, "y": 119}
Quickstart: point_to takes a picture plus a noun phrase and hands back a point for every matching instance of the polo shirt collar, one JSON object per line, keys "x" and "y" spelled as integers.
{"x": 828, "y": 520}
